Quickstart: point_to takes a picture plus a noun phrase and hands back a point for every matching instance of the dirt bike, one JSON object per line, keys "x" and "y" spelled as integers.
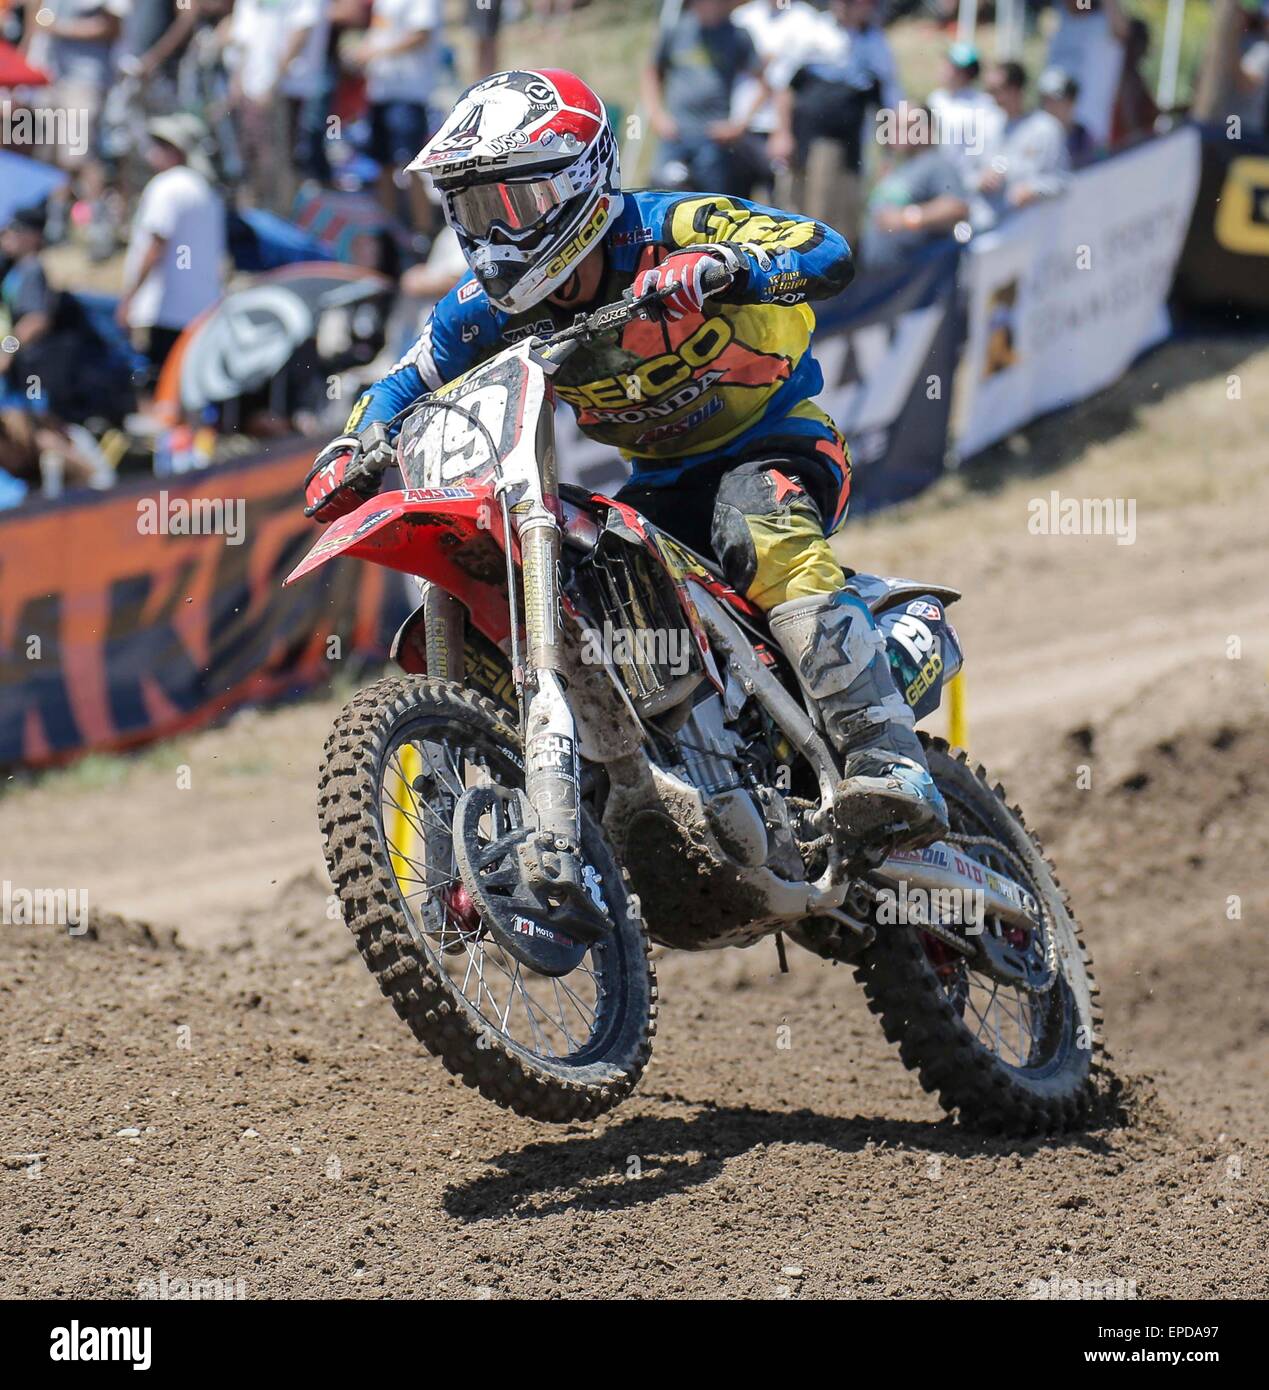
{"x": 598, "y": 746}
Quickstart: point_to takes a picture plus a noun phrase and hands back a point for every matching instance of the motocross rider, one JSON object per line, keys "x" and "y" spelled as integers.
{"x": 711, "y": 404}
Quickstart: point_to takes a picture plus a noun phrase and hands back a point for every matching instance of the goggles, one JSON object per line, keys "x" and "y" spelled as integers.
{"x": 513, "y": 208}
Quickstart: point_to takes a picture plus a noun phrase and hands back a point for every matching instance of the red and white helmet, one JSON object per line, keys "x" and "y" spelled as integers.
{"x": 527, "y": 170}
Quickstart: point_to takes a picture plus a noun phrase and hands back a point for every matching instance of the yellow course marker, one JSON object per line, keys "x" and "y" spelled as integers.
{"x": 957, "y": 735}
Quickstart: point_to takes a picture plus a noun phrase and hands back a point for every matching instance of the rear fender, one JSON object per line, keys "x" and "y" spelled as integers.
{"x": 883, "y": 593}
{"x": 451, "y": 536}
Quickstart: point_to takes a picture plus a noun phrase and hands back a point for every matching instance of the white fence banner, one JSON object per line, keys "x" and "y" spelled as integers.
{"x": 1066, "y": 294}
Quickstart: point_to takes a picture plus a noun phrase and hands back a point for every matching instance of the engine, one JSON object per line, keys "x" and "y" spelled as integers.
{"x": 749, "y": 823}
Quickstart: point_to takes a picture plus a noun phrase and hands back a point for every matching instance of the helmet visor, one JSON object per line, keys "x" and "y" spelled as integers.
{"x": 513, "y": 208}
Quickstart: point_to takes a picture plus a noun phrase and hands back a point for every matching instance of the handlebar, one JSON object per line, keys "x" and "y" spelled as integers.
{"x": 554, "y": 348}
{"x": 625, "y": 310}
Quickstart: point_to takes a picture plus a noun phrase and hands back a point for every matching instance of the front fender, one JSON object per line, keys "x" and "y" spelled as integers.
{"x": 450, "y": 536}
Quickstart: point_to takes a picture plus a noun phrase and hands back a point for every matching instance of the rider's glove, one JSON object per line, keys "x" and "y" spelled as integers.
{"x": 683, "y": 272}
{"x": 346, "y": 473}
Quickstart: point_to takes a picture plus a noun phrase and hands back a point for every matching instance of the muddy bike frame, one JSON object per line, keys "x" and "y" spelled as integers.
{"x": 483, "y": 526}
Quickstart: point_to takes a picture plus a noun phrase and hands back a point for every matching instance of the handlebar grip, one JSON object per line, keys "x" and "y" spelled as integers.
{"x": 376, "y": 452}
{"x": 717, "y": 278}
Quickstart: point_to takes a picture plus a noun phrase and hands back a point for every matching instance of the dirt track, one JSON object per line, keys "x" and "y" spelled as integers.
{"x": 296, "y": 1138}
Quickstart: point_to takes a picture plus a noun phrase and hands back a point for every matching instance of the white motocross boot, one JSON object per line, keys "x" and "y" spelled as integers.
{"x": 887, "y": 797}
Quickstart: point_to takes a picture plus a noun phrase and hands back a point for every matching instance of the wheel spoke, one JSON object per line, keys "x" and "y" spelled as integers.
{"x": 422, "y": 783}
{"x": 1011, "y": 1021}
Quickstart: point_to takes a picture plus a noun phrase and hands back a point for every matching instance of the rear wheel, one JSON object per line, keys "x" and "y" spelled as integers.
{"x": 1008, "y": 1059}
{"x": 400, "y": 755}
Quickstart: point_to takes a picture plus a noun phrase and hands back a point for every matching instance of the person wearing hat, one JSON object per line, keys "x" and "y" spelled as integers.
{"x": 964, "y": 118}
{"x": 1059, "y": 93}
{"x": 174, "y": 267}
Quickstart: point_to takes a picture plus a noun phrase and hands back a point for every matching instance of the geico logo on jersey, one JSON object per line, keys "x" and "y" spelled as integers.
{"x": 654, "y": 378}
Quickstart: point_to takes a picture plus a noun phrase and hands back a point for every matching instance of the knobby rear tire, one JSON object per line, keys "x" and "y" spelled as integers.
{"x": 903, "y": 989}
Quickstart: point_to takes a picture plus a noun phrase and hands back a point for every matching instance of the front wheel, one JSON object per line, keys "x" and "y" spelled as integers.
{"x": 1008, "y": 1059}
{"x": 401, "y": 754}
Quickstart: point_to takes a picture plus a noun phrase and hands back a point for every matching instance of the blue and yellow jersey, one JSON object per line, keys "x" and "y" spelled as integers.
{"x": 669, "y": 396}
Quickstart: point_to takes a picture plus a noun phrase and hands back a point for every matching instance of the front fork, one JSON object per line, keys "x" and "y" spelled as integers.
{"x": 550, "y": 736}
{"x": 551, "y": 774}
{"x": 550, "y": 858}
{"x": 547, "y": 845}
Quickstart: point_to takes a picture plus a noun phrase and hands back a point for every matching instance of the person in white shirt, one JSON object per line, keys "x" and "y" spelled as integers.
{"x": 400, "y": 57}
{"x": 74, "y": 40}
{"x": 1028, "y": 160}
{"x": 174, "y": 270}
{"x": 965, "y": 119}
{"x": 280, "y": 89}
{"x": 785, "y": 34}
{"x": 821, "y": 107}
{"x": 1088, "y": 43}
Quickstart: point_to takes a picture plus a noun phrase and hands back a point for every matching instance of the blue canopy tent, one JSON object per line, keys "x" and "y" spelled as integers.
{"x": 25, "y": 183}
{"x": 260, "y": 240}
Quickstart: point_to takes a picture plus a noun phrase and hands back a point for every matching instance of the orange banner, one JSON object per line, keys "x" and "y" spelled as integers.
{"x": 133, "y": 614}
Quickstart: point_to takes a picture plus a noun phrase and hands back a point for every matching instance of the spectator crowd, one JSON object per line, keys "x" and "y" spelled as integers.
{"x": 168, "y": 118}
{"x": 807, "y": 106}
